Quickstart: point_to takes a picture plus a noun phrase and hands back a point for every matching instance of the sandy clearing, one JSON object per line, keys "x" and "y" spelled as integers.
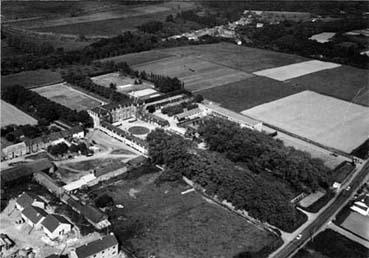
{"x": 12, "y": 115}
{"x": 287, "y": 72}
{"x": 332, "y": 122}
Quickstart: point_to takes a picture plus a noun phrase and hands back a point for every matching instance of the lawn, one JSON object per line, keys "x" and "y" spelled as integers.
{"x": 329, "y": 121}
{"x": 248, "y": 93}
{"x": 12, "y": 115}
{"x": 345, "y": 82}
{"x": 31, "y": 79}
{"x": 331, "y": 244}
{"x": 196, "y": 73}
{"x": 68, "y": 96}
{"x": 159, "y": 220}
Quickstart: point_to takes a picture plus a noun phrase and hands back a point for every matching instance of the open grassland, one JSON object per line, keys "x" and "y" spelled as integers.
{"x": 159, "y": 220}
{"x": 196, "y": 74}
{"x": 345, "y": 82}
{"x": 326, "y": 120}
{"x": 238, "y": 57}
{"x": 139, "y": 58}
{"x": 68, "y": 96}
{"x": 248, "y": 93}
{"x": 12, "y": 115}
{"x": 124, "y": 84}
{"x": 291, "y": 71}
{"x": 31, "y": 79}
{"x": 330, "y": 244}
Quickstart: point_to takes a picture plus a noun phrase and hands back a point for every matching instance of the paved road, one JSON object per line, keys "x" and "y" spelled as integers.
{"x": 325, "y": 216}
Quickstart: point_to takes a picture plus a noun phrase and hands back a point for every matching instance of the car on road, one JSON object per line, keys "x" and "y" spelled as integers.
{"x": 348, "y": 188}
{"x": 298, "y": 237}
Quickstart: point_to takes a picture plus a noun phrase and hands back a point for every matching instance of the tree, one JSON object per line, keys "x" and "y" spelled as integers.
{"x": 113, "y": 86}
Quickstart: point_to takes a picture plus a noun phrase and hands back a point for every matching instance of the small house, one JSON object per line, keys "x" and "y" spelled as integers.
{"x": 55, "y": 226}
{"x": 33, "y": 216}
{"x": 29, "y": 199}
{"x": 106, "y": 247}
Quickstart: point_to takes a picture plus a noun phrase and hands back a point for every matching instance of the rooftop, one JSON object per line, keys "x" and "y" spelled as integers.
{"x": 96, "y": 246}
{"x": 26, "y": 199}
{"x": 34, "y": 214}
{"x": 52, "y": 221}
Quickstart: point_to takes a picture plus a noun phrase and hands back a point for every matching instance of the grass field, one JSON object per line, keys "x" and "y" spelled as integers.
{"x": 238, "y": 57}
{"x": 328, "y": 121}
{"x": 345, "y": 82}
{"x": 30, "y": 79}
{"x": 248, "y": 93}
{"x": 12, "y": 115}
{"x": 68, "y": 97}
{"x": 196, "y": 74}
{"x": 139, "y": 58}
{"x": 124, "y": 84}
{"x": 160, "y": 220}
{"x": 357, "y": 224}
{"x": 330, "y": 244}
{"x": 291, "y": 71}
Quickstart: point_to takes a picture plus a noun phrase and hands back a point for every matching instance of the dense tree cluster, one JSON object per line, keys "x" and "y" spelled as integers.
{"x": 29, "y": 46}
{"x": 62, "y": 149}
{"x": 293, "y": 37}
{"x": 163, "y": 83}
{"x": 45, "y": 110}
{"x": 179, "y": 108}
{"x": 13, "y": 133}
{"x": 266, "y": 201}
{"x": 266, "y": 156}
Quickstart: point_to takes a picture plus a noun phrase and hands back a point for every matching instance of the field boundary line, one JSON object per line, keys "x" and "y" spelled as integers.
{"x": 153, "y": 61}
{"x": 216, "y": 86}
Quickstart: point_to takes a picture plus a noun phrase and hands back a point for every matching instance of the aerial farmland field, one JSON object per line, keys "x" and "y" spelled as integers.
{"x": 345, "y": 82}
{"x": 248, "y": 93}
{"x": 329, "y": 121}
{"x": 197, "y": 74}
{"x": 291, "y": 71}
{"x": 12, "y": 115}
{"x": 68, "y": 96}
{"x": 30, "y": 79}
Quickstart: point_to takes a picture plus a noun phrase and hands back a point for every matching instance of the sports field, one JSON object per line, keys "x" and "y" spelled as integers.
{"x": 326, "y": 120}
{"x": 287, "y": 72}
{"x": 68, "y": 96}
{"x": 12, "y": 115}
{"x": 196, "y": 74}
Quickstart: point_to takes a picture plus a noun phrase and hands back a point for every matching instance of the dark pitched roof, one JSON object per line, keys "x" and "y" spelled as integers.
{"x": 26, "y": 199}
{"x": 34, "y": 214}
{"x": 53, "y": 256}
{"x": 52, "y": 221}
{"x": 96, "y": 246}
{"x": 89, "y": 212}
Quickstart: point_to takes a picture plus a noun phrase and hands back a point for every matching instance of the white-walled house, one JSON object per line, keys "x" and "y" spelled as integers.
{"x": 55, "y": 226}
{"x": 34, "y": 216}
{"x": 106, "y": 247}
{"x": 29, "y": 199}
